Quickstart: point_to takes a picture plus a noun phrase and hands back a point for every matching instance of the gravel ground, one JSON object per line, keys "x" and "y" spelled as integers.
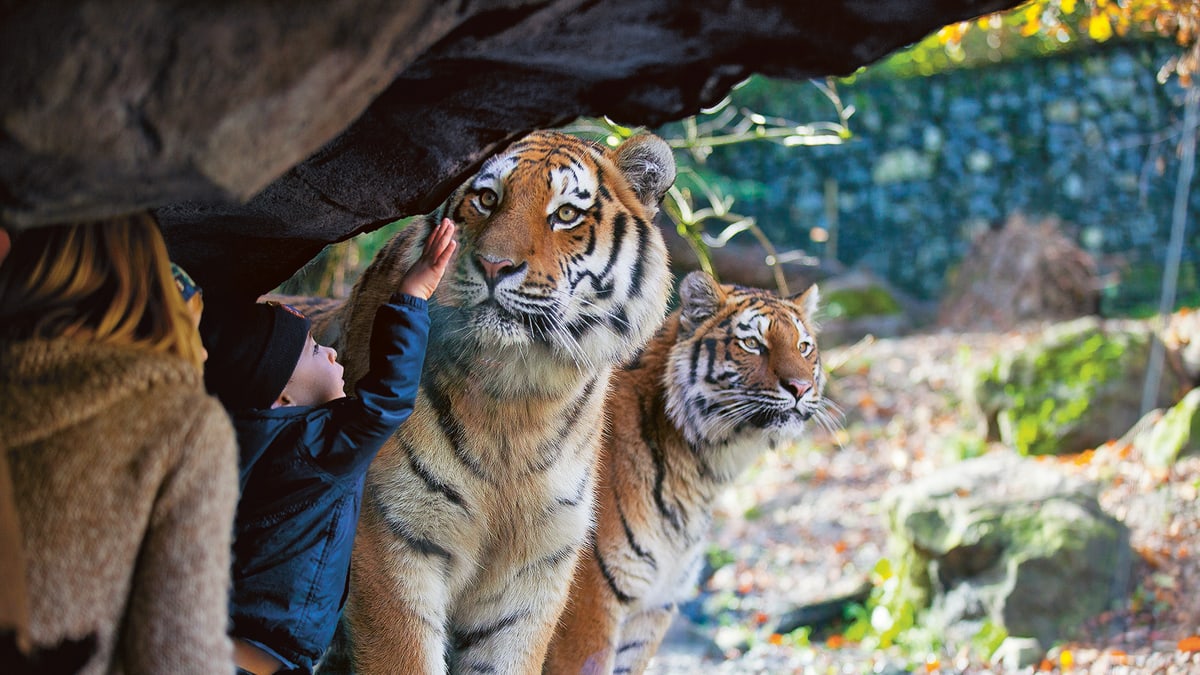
{"x": 803, "y": 525}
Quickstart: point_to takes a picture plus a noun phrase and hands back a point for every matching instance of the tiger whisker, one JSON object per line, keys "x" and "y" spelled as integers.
{"x": 596, "y": 319}
{"x": 560, "y": 336}
{"x": 729, "y": 417}
{"x": 612, "y": 316}
{"x": 826, "y": 421}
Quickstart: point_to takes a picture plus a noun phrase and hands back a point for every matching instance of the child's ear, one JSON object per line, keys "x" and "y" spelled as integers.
{"x": 283, "y": 400}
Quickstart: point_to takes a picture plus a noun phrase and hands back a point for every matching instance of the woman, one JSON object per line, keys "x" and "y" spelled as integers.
{"x": 124, "y": 471}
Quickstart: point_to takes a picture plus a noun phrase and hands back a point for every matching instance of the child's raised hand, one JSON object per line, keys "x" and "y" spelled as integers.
{"x": 424, "y": 276}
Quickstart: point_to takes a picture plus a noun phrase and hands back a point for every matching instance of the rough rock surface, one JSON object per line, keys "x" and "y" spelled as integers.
{"x": 259, "y": 132}
{"x": 1077, "y": 387}
{"x": 1012, "y": 541}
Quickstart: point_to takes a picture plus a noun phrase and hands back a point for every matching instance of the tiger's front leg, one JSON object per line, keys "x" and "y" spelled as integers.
{"x": 396, "y": 612}
{"x": 508, "y": 629}
{"x": 587, "y": 633}
{"x": 641, "y": 636}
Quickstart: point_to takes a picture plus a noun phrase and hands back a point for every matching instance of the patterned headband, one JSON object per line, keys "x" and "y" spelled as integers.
{"x": 187, "y": 287}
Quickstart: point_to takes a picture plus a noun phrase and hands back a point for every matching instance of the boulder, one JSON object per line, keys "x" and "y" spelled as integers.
{"x": 1163, "y": 436}
{"x": 259, "y": 131}
{"x": 1077, "y": 387}
{"x": 1010, "y": 541}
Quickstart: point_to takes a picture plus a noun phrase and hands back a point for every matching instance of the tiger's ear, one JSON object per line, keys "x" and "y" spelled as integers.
{"x": 699, "y": 298}
{"x": 808, "y": 301}
{"x": 649, "y": 165}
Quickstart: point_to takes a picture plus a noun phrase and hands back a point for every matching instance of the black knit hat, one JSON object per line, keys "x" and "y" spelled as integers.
{"x": 253, "y": 349}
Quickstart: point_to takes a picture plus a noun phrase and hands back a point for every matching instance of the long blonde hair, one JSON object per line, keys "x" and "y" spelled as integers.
{"x": 105, "y": 281}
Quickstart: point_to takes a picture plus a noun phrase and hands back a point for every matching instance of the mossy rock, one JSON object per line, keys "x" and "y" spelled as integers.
{"x": 1009, "y": 541}
{"x": 854, "y": 303}
{"x": 1168, "y": 435}
{"x": 1077, "y": 388}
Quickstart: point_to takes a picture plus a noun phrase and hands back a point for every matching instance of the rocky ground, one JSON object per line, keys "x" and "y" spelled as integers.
{"x": 803, "y": 526}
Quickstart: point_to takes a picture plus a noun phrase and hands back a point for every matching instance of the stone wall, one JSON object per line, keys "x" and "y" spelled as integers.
{"x": 1091, "y": 138}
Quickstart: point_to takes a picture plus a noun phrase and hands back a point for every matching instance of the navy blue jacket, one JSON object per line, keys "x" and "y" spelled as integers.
{"x": 302, "y": 471}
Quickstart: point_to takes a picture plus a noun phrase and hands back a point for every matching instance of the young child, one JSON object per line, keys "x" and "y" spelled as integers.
{"x": 305, "y": 449}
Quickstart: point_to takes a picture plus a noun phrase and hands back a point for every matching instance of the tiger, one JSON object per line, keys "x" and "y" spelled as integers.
{"x": 475, "y": 511}
{"x": 733, "y": 371}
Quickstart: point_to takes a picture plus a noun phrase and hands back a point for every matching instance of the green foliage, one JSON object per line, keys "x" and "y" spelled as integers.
{"x": 890, "y": 615}
{"x": 718, "y": 557}
{"x": 801, "y": 637}
{"x": 988, "y": 639}
{"x": 1033, "y": 29}
{"x": 852, "y": 303}
{"x": 962, "y": 445}
{"x": 1039, "y": 394}
{"x": 1144, "y": 280}
{"x": 1176, "y": 433}
{"x": 334, "y": 270}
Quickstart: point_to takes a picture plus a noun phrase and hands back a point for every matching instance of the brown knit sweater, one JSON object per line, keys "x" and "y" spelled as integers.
{"x": 125, "y": 478}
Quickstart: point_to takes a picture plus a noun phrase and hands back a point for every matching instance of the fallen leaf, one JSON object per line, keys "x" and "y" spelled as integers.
{"x": 1066, "y": 659}
{"x": 1190, "y": 644}
{"x": 835, "y": 641}
{"x": 775, "y": 639}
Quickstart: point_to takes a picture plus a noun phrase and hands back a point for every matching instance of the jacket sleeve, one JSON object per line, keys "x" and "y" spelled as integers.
{"x": 386, "y": 395}
{"x": 178, "y": 607}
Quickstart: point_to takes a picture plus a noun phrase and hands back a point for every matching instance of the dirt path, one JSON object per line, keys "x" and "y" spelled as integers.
{"x": 804, "y": 525}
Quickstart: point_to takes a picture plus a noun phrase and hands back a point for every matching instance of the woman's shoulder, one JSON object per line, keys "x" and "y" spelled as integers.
{"x": 50, "y": 386}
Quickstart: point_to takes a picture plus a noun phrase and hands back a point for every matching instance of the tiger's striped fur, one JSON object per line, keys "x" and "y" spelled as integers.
{"x": 733, "y": 371}
{"x": 475, "y": 512}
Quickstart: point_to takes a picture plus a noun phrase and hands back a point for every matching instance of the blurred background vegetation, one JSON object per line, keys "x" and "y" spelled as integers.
{"x": 1063, "y": 111}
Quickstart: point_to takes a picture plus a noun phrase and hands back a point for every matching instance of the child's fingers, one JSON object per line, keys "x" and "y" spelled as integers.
{"x": 434, "y": 238}
{"x": 445, "y": 230}
{"x": 444, "y": 257}
{"x": 441, "y": 237}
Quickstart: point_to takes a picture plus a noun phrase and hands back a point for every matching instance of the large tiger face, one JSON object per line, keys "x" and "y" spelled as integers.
{"x": 558, "y": 251}
{"x": 745, "y": 365}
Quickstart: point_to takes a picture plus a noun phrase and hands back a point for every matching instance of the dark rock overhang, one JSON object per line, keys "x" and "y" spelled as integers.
{"x": 259, "y": 132}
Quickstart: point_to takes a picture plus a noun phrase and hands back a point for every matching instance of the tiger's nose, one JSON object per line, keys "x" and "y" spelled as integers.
{"x": 797, "y": 387}
{"x": 495, "y": 269}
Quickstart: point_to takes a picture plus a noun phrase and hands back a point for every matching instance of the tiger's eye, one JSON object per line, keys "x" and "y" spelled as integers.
{"x": 806, "y": 347}
{"x": 488, "y": 198}
{"x": 751, "y": 344}
{"x": 566, "y": 213}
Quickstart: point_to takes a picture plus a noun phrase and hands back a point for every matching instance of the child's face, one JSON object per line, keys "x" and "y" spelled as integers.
{"x": 317, "y": 378}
